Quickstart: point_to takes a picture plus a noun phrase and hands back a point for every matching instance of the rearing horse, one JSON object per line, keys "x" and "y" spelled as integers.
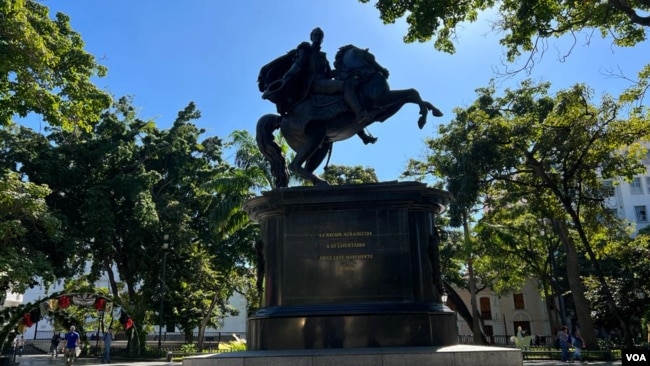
{"x": 312, "y": 126}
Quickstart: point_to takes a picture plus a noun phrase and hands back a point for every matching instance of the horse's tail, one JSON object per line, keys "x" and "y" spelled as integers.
{"x": 270, "y": 149}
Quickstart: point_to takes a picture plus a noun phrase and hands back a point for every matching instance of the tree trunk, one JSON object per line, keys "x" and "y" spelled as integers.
{"x": 111, "y": 281}
{"x": 206, "y": 318}
{"x": 609, "y": 297}
{"x": 459, "y": 304}
{"x": 583, "y": 312}
{"x": 476, "y": 325}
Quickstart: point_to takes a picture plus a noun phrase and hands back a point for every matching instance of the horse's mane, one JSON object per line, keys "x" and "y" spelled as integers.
{"x": 338, "y": 59}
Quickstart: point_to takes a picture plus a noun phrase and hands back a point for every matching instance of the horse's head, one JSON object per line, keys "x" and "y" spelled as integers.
{"x": 351, "y": 57}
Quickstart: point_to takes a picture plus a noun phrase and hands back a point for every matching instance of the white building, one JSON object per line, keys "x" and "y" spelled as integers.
{"x": 10, "y": 299}
{"x": 630, "y": 201}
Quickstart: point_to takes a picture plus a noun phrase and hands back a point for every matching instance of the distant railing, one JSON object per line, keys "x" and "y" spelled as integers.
{"x": 503, "y": 340}
{"x": 216, "y": 337}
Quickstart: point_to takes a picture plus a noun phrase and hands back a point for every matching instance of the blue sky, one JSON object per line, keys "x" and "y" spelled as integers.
{"x": 166, "y": 53}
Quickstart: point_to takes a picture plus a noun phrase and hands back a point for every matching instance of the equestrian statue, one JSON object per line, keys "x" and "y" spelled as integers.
{"x": 318, "y": 106}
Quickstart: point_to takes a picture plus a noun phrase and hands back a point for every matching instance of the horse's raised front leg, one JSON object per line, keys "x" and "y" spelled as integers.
{"x": 435, "y": 111}
{"x": 413, "y": 96}
{"x": 424, "y": 108}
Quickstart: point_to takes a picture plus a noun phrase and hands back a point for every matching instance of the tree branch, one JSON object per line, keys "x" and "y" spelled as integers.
{"x": 624, "y": 7}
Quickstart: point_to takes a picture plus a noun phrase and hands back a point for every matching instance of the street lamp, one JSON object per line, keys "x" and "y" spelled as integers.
{"x": 162, "y": 292}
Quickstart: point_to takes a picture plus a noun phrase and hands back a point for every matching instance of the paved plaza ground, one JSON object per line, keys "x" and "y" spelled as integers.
{"x": 549, "y": 363}
{"x": 47, "y": 360}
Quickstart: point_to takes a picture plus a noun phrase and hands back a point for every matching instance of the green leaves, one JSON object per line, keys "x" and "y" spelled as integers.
{"x": 338, "y": 175}
{"x": 533, "y": 158}
{"x": 45, "y": 70}
{"x": 523, "y": 23}
{"x": 27, "y": 227}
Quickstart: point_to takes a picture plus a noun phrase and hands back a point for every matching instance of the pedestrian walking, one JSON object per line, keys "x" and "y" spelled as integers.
{"x": 563, "y": 338}
{"x": 21, "y": 345}
{"x": 108, "y": 341}
{"x": 579, "y": 345}
{"x": 54, "y": 344}
{"x": 71, "y": 344}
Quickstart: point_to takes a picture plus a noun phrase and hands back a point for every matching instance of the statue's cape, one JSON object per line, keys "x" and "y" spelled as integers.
{"x": 275, "y": 70}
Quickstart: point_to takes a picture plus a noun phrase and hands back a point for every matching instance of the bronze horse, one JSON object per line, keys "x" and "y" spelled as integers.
{"x": 314, "y": 124}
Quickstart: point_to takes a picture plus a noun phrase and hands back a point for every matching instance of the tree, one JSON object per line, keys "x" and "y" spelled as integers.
{"x": 533, "y": 146}
{"x": 249, "y": 158}
{"x": 339, "y": 175}
{"x": 30, "y": 246}
{"x": 120, "y": 188}
{"x": 628, "y": 261}
{"x": 463, "y": 169}
{"x": 454, "y": 270}
{"x": 524, "y": 24}
{"x": 521, "y": 240}
{"x": 44, "y": 68}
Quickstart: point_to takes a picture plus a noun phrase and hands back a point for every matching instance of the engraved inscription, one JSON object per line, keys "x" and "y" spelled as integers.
{"x": 345, "y": 245}
{"x": 345, "y": 234}
{"x": 345, "y": 257}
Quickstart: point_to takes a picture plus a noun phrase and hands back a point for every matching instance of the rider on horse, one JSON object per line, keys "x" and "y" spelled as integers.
{"x": 311, "y": 123}
{"x": 310, "y": 74}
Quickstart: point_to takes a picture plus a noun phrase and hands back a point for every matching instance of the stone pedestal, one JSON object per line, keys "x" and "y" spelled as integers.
{"x": 352, "y": 266}
{"x": 459, "y": 355}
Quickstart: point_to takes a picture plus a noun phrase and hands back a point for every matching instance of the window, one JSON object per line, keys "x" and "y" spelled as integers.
{"x": 635, "y": 186}
{"x": 519, "y": 301}
{"x": 647, "y": 183}
{"x": 486, "y": 309}
{"x": 641, "y": 214}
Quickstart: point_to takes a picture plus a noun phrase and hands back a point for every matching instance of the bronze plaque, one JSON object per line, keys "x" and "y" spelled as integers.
{"x": 347, "y": 256}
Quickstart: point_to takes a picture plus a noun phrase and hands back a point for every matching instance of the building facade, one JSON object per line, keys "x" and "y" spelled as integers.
{"x": 630, "y": 200}
{"x": 502, "y": 315}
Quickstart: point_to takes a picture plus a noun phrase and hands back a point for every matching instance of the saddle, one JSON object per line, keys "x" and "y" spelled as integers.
{"x": 318, "y": 108}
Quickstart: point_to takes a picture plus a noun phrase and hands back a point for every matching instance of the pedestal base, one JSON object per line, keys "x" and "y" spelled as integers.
{"x": 459, "y": 355}
{"x": 349, "y": 267}
{"x": 352, "y": 326}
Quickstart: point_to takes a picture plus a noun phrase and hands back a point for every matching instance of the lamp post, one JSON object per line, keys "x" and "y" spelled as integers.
{"x": 162, "y": 292}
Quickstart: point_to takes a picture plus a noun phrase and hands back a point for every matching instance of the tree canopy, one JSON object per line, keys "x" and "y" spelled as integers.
{"x": 522, "y": 23}
{"x": 550, "y": 152}
{"x": 29, "y": 235}
{"x": 44, "y": 68}
{"x": 120, "y": 189}
{"x": 340, "y": 174}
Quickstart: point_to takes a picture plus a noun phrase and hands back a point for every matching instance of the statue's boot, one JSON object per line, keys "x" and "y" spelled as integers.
{"x": 362, "y": 116}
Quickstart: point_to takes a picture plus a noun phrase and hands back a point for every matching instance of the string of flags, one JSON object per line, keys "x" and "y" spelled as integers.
{"x": 100, "y": 303}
